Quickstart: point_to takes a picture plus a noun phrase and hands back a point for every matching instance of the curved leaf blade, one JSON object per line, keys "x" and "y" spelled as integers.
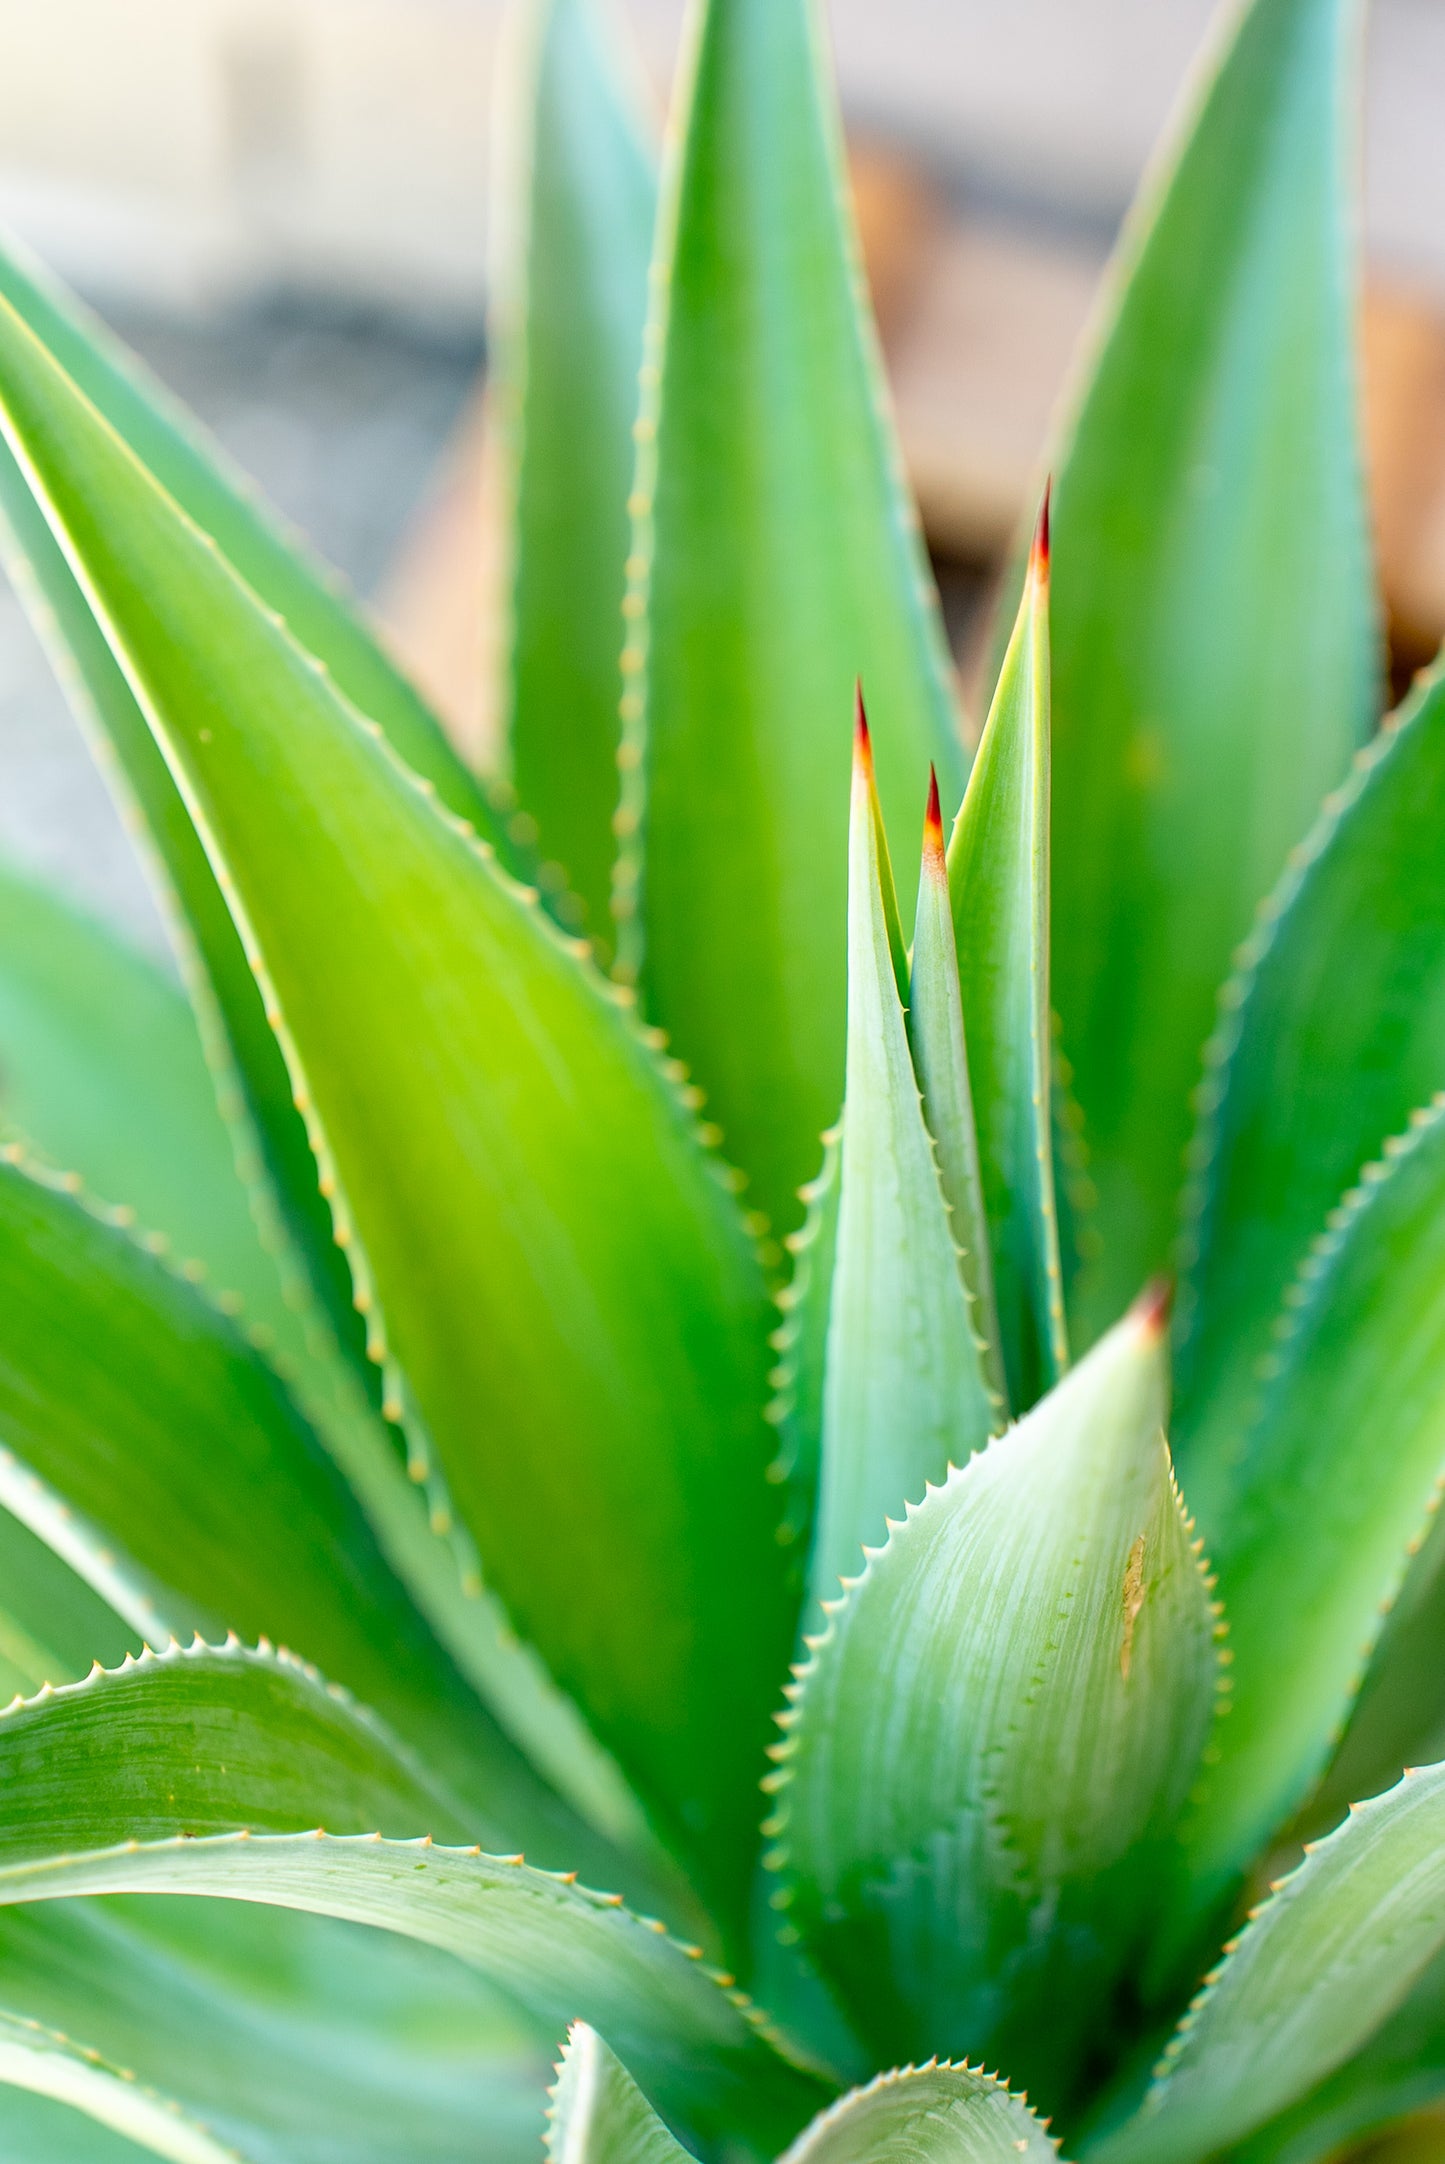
{"x": 998, "y": 876}
{"x": 53, "y": 1625}
{"x": 598, "y": 2115}
{"x": 763, "y": 457}
{"x": 1332, "y": 1032}
{"x": 904, "y": 1393}
{"x": 930, "y": 2115}
{"x": 1334, "y": 1484}
{"x": 579, "y": 204}
{"x": 611, "y": 1466}
{"x": 1215, "y": 639}
{"x": 96, "y": 1806}
{"x": 293, "y": 2039}
{"x": 987, "y": 1752}
{"x": 48, "y": 2064}
{"x": 1315, "y": 1972}
{"x": 111, "y": 1367}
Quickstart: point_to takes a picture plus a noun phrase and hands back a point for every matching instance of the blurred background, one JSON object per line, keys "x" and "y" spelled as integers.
{"x": 282, "y": 204}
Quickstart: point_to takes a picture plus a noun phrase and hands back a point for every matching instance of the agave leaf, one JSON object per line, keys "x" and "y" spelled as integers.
{"x": 48, "y": 2064}
{"x": 1398, "y": 1717}
{"x": 1315, "y": 1973}
{"x": 104, "y": 1072}
{"x": 765, "y": 458}
{"x": 223, "y": 503}
{"x": 111, "y": 1368}
{"x": 252, "y": 1087}
{"x": 801, "y": 1340}
{"x": 107, "y": 1792}
{"x": 929, "y": 2115}
{"x": 1332, "y": 1031}
{"x": 940, "y": 1060}
{"x": 576, "y": 1327}
{"x": 292, "y": 2038}
{"x": 998, "y": 876}
{"x": 598, "y": 2115}
{"x": 904, "y": 1394}
{"x": 1399, "y": 2072}
{"x": 1215, "y": 644}
{"x": 1333, "y": 1484}
{"x": 52, "y": 1624}
{"x": 994, "y": 1736}
{"x": 101, "y": 1070}
{"x": 569, "y": 285}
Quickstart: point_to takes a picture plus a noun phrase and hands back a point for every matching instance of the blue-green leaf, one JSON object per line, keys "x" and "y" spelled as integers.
{"x": 777, "y": 560}
{"x": 998, "y": 875}
{"x": 569, "y": 286}
{"x": 1332, "y": 1032}
{"x": 598, "y": 2115}
{"x": 1215, "y": 643}
{"x": 109, "y": 1791}
{"x": 904, "y": 1394}
{"x": 992, "y": 1740}
{"x": 926, "y": 2115}
{"x": 1316, "y": 1971}
{"x": 1330, "y": 1488}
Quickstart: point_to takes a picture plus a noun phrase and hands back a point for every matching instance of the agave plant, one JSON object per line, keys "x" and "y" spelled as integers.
{"x": 455, "y": 1442}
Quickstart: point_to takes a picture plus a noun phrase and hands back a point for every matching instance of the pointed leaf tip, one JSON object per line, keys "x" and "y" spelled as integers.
{"x": 933, "y": 851}
{"x": 1039, "y": 551}
{"x": 862, "y": 739}
{"x": 1153, "y": 1308}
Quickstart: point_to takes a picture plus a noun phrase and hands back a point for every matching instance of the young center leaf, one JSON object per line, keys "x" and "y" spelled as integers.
{"x": 927, "y": 2115}
{"x": 998, "y": 876}
{"x": 133, "y": 1784}
{"x": 577, "y": 206}
{"x": 904, "y": 1393}
{"x": 1332, "y": 1032}
{"x": 994, "y": 1737}
{"x": 1315, "y": 1972}
{"x": 597, "y": 2113}
{"x": 940, "y": 1060}
{"x": 1215, "y": 637}
{"x": 777, "y": 560}
{"x": 554, "y": 1274}
{"x": 1331, "y": 1489}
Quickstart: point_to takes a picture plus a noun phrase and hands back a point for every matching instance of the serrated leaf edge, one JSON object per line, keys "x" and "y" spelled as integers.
{"x": 67, "y": 2047}
{"x": 818, "y": 2129}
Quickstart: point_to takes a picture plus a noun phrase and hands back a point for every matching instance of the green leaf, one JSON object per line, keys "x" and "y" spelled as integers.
{"x": 579, "y": 202}
{"x": 108, "y": 1792}
{"x": 778, "y": 559}
{"x": 111, "y": 1367}
{"x": 293, "y": 2038}
{"x": 904, "y": 1393}
{"x": 1332, "y": 1485}
{"x": 801, "y": 1341}
{"x": 1398, "y": 1718}
{"x": 1399, "y": 2072}
{"x": 1215, "y": 642}
{"x": 101, "y": 1067}
{"x": 52, "y": 1624}
{"x": 926, "y": 2115}
{"x": 998, "y": 876}
{"x": 1314, "y": 1974}
{"x": 36, "y": 2058}
{"x": 1332, "y": 1031}
{"x": 598, "y": 2115}
{"x": 102, "y": 1072}
{"x": 991, "y": 1743}
{"x": 273, "y": 561}
{"x": 940, "y": 1060}
{"x": 578, "y": 1331}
